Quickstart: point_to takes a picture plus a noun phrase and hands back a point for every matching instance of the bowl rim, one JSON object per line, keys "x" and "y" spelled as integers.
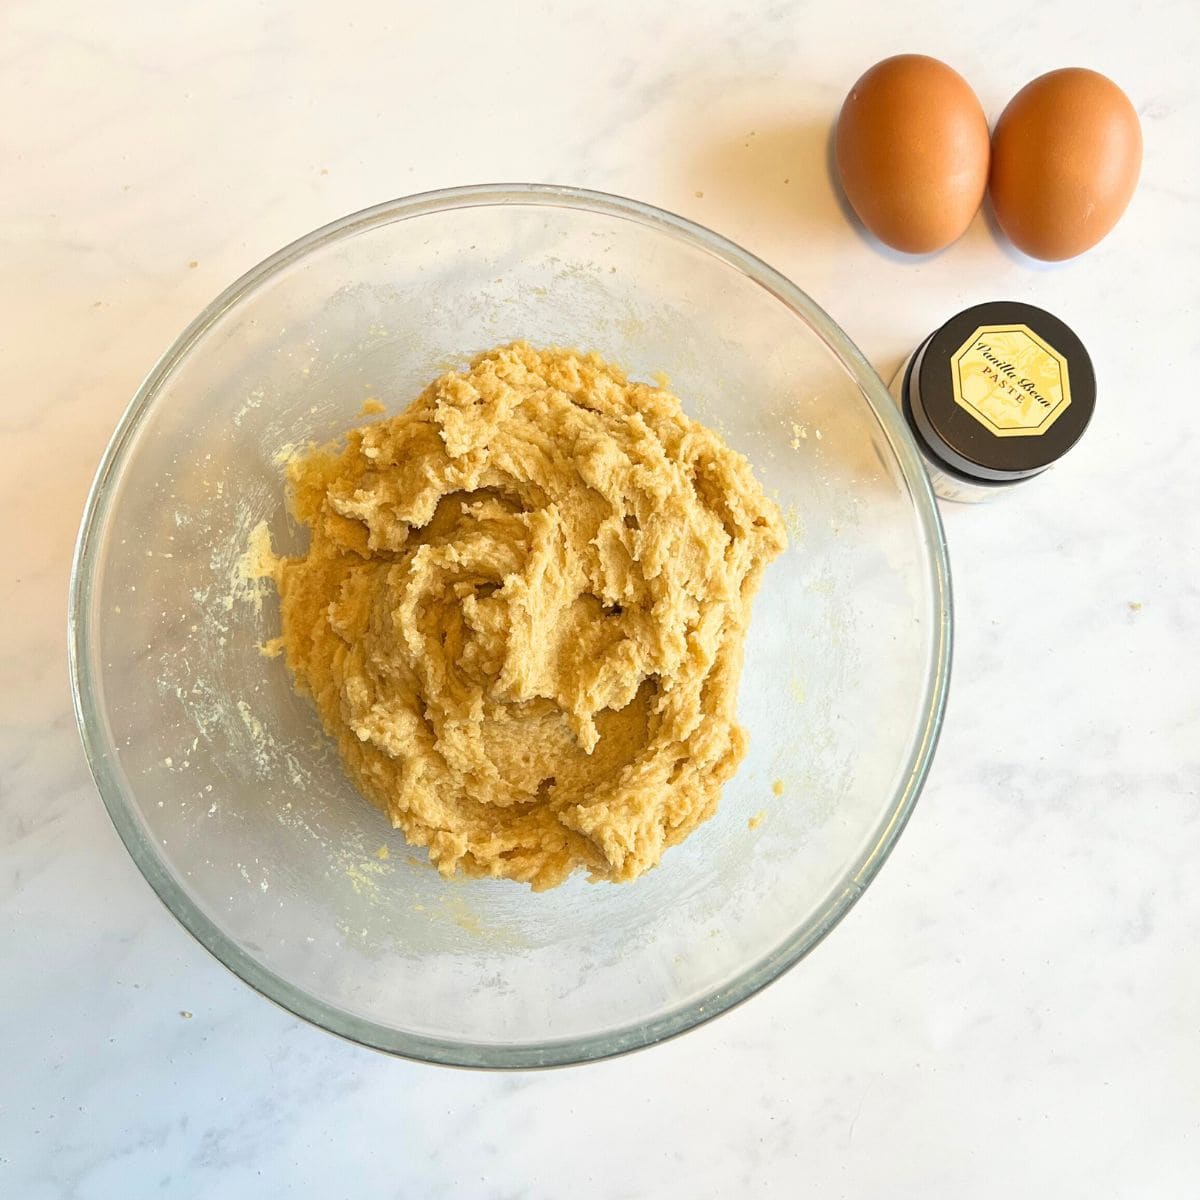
{"x": 593, "y": 1047}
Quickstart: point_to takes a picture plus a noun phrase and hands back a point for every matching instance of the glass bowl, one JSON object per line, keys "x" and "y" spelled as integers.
{"x": 233, "y": 803}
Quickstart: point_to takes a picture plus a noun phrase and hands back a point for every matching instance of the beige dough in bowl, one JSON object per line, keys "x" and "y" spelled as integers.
{"x": 521, "y": 614}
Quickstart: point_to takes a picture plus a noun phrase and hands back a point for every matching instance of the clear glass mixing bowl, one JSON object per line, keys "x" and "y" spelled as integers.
{"x": 218, "y": 777}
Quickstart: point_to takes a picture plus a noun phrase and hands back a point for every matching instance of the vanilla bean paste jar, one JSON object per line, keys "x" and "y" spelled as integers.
{"x": 995, "y": 396}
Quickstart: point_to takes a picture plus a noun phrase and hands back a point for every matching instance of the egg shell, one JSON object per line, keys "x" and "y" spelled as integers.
{"x": 1066, "y": 156}
{"x": 912, "y": 152}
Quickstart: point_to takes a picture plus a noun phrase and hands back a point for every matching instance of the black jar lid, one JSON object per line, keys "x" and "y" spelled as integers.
{"x": 1001, "y": 391}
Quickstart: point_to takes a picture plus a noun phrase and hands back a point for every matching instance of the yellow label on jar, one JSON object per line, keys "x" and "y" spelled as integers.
{"x": 1010, "y": 380}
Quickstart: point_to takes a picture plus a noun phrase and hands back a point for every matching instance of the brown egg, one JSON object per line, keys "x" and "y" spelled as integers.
{"x": 1065, "y": 160}
{"x": 912, "y": 152}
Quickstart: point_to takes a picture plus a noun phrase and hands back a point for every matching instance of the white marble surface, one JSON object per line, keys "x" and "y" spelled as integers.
{"x": 1014, "y": 1007}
